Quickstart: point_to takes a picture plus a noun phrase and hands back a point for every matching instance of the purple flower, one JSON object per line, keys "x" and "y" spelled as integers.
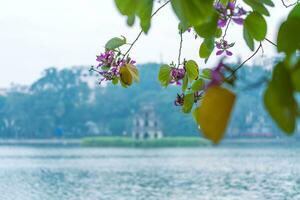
{"x": 106, "y": 58}
{"x": 177, "y": 74}
{"x": 239, "y": 21}
{"x": 231, "y": 6}
{"x": 109, "y": 65}
{"x": 223, "y": 46}
{"x": 216, "y": 75}
{"x": 229, "y": 12}
{"x": 222, "y": 23}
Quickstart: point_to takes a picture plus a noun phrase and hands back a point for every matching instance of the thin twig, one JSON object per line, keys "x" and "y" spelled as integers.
{"x": 290, "y": 5}
{"x": 141, "y": 32}
{"x": 243, "y": 63}
{"x": 180, "y": 48}
{"x": 225, "y": 31}
{"x": 262, "y": 51}
{"x": 271, "y": 42}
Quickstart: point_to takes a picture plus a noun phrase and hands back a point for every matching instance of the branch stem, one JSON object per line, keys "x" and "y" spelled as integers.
{"x": 243, "y": 63}
{"x": 271, "y": 42}
{"x": 180, "y": 48}
{"x": 141, "y": 32}
{"x": 289, "y": 5}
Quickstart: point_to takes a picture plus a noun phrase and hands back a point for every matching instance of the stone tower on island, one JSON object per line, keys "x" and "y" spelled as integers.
{"x": 146, "y": 124}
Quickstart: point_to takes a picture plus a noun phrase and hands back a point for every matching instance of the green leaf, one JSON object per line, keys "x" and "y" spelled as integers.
{"x": 144, "y": 12}
{"x": 279, "y": 99}
{"x": 198, "y": 85}
{"x": 206, "y": 48}
{"x": 188, "y": 103}
{"x": 192, "y": 70}
{"x": 224, "y": 2}
{"x": 219, "y": 33}
{"x": 115, "y": 43}
{"x": 258, "y": 6}
{"x": 105, "y": 68}
{"x": 206, "y": 73}
{"x": 192, "y": 12}
{"x": 164, "y": 75}
{"x": 208, "y": 29}
{"x": 268, "y": 2}
{"x": 115, "y": 81}
{"x": 288, "y": 39}
{"x": 295, "y": 12}
{"x": 183, "y": 28}
{"x": 185, "y": 83}
{"x": 141, "y": 8}
{"x": 126, "y": 7}
{"x": 296, "y": 77}
{"x": 248, "y": 39}
{"x": 256, "y": 26}
{"x": 130, "y": 20}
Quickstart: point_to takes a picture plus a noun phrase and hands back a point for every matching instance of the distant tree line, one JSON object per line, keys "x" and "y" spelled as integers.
{"x": 64, "y": 104}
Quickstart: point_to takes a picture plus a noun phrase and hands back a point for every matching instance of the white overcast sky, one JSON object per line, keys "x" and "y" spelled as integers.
{"x": 36, "y": 34}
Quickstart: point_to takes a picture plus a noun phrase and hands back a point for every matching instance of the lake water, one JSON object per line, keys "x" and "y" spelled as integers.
{"x": 36, "y": 173}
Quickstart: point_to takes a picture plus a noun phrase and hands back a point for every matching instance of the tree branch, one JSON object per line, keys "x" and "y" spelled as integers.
{"x": 243, "y": 63}
{"x": 180, "y": 48}
{"x": 141, "y": 32}
{"x": 225, "y": 31}
{"x": 271, "y": 42}
{"x": 289, "y": 5}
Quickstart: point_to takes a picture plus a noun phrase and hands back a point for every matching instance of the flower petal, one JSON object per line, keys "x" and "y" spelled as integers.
{"x": 228, "y": 53}
{"x": 239, "y": 21}
{"x": 219, "y": 52}
{"x": 222, "y": 23}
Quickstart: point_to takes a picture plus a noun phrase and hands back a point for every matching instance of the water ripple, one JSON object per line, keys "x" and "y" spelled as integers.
{"x": 128, "y": 174}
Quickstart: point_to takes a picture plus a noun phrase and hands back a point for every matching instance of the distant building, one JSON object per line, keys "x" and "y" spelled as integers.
{"x": 146, "y": 124}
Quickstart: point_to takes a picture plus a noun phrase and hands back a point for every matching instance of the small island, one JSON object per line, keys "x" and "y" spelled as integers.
{"x": 149, "y": 143}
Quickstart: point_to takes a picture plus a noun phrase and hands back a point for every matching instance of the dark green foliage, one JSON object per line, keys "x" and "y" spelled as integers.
{"x": 279, "y": 99}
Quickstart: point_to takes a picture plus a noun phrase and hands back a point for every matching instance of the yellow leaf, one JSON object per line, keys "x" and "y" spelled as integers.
{"x": 214, "y": 112}
{"x": 125, "y": 76}
{"x": 134, "y": 72}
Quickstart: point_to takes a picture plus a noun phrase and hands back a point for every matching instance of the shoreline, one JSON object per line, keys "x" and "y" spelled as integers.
{"x": 164, "y": 142}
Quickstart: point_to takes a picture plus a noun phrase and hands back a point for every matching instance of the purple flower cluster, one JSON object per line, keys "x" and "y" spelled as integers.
{"x": 177, "y": 74}
{"x": 109, "y": 65}
{"x": 106, "y": 59}
{"x": 216, "y": 75}
{"x": 223, "y": 47}
{"x": 230, "y": 11}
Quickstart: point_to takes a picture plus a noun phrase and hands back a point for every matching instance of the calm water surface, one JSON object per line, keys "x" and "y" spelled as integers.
{"x": 35, "y": 173}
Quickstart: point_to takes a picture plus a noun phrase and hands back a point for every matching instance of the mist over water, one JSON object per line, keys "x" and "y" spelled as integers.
{"x": 51, "y": 173}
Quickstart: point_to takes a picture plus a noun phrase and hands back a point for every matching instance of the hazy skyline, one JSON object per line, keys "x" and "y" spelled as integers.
{"x": 39, "y": 34}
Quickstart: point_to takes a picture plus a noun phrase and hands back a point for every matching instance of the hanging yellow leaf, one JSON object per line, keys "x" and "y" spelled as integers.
{"x": 134, "y": 72}
{"x": 214, "y": 113}
{"x": 125, "y": 76}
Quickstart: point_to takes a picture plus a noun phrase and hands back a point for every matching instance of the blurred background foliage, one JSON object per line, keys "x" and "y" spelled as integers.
{"x": 67, "y": 103}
